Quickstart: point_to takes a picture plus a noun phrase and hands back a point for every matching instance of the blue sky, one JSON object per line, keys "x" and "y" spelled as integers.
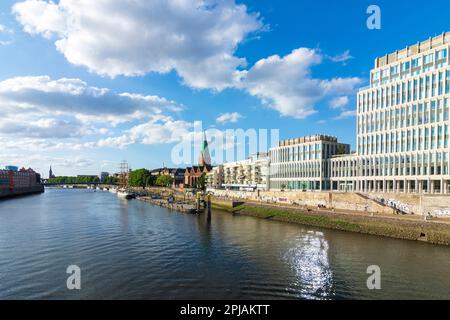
{"x": 84, "y": 85}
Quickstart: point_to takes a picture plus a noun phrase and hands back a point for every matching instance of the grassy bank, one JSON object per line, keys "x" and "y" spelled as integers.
{"x": 435, "y": 233}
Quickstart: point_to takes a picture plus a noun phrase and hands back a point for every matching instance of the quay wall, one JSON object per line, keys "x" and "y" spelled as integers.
{"x": 7, "y": 193}
{"x": 417, "y": 204}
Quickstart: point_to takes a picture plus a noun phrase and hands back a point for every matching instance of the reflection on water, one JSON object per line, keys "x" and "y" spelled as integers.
{"x": 308, "y": 257}
{"x": 131, "y": 250}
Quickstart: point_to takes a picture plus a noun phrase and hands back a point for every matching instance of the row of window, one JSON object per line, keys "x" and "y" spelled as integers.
{"x": 414, "y": 164}
{"x": 298, "y": 170}
{"x": 420, "y": 139}
{"x": 299, "y": 185}
{"x": 430, "y": 86}
{"x": 315, "y": 151}
{"x": 404, "y": 116}
{"x": 416, "y": 66}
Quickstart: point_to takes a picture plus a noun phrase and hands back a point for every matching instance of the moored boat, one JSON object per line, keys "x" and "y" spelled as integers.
{"x": 125, "y": 194}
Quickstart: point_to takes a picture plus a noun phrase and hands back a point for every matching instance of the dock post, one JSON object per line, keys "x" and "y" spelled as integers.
{"x": 209, "y": 206}
{"x": 198, "y": 202}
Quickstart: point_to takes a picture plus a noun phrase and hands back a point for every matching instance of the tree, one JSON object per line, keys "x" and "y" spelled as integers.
{"x": 138, "y": 178}
{"x": 110, "y": 180}
{"x": 164, "y": 181}
{"x": 201, "y": 182}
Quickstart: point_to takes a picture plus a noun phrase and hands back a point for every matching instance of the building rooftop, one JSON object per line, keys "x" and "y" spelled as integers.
{"x": 412, "y": 50}
{"x": 313, "y": 138}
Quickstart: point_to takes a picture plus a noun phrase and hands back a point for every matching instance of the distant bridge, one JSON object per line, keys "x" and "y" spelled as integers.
{"x": 50, "y": 184}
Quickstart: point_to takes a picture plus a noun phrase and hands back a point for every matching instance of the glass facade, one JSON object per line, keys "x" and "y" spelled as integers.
{"x": 402, "y": 124}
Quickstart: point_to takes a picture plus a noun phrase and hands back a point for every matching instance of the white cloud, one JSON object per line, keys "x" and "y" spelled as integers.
{"x": 339, "y": 102}
{"x": 232, "y": 117}
{"x": 6, "y": 38}
{"x": 286, "y": 84}
{"x": 20, "y": 126}
{"x": 38, "y": 113}
{"x": 4, "y": 29}
{"x": 196, "y": 38}
{"x": 5, "y": 43}
{"x": 343, "y": 57}
{"x": 61, "y": 165}
{"x": 346, "y": 114}
{"x": 157, "y": 130}
{"x": 73, "y": 97}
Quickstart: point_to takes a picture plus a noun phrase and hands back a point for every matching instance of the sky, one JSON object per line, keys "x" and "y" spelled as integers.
{"x": 86, "y": 84}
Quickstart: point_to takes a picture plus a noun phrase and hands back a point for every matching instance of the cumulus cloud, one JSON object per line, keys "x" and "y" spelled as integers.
{"x": 227, "y": 117}
{"x": 339, "y": 102}
{"x": 157, "y": 130}
{"x": 61, "y": 114}
{"x": 60, "y": 165}
{"x": 5, "y": 33}
{"x": 41, "y": 127}
{"x": 346, "y": 114}
{"x": 75, "y": 97}
{"x": 286, "y": 83}
{"x": 196, "y": 38}
{"x": 4, "y": 29}
{"x": 343, "y": 57}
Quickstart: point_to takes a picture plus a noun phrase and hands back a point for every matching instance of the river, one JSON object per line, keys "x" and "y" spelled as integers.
{"x": 133, "y": 250}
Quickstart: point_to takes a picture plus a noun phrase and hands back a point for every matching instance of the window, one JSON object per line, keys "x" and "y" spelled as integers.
{"x": 416, "y": 65}
{"x": 433, "y": 111}
{"x": 447, "y": 82}
{"x": 405, "y": 69}
{"x": 428, "y": 62}
{"x": 428, "y": 59}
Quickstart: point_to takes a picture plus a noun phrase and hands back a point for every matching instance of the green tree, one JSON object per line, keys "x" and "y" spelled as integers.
{"x": 164, "y": 181}
{"x": 201, "y": 182}
{"x": 138, "y": 178}
{"x": 111, "y": 180}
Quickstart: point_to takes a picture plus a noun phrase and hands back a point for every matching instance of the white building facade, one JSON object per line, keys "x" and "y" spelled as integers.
{"x": 303, "y": 163}
{"x": 248, "y": 175}
{"x": 402, "y": 124}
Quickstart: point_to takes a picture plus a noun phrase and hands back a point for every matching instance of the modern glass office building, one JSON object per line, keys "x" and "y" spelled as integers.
{"x": 402, "y": 124}
{"x": 304, "y": 163}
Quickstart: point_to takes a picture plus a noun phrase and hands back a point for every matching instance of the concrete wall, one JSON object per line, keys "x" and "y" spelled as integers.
{"x": 417, "y": 204}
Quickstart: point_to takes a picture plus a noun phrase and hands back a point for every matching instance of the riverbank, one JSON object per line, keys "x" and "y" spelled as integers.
{"x": 393, "y": 227}
{"x": 175, "y": 206}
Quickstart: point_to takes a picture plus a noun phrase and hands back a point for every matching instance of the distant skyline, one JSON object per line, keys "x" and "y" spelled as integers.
{"x": 87, "y": 84}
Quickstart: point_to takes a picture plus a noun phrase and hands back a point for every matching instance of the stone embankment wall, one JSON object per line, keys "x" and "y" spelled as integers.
{"x": 417, "y": 204}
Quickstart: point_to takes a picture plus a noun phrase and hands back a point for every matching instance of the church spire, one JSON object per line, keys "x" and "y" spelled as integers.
{"x": 205, "y": 158}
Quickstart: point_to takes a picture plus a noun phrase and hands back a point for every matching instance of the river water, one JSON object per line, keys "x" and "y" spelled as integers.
{"x": 133, "y": 250}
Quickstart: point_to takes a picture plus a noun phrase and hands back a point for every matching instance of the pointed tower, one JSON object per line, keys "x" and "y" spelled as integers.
{"x": 50, "y": 173}
{"x": 205, "y": 158}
